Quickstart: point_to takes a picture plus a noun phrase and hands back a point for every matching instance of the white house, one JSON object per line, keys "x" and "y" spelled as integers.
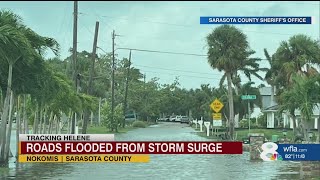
{"x": 271, "y": 107}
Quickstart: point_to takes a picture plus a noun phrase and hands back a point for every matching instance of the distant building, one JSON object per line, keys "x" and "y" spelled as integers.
{"x": 270, "y": 108}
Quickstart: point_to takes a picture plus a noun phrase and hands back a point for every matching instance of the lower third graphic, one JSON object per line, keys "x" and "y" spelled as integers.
{"x": 269, "y": 152}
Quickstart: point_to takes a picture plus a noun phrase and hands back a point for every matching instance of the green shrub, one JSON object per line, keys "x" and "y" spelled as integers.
{"x": 244, "y": 123}
{"x": 139, "y": 124}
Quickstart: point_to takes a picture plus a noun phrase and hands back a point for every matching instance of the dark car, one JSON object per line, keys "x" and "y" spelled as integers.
{"x": 184, "y": 119}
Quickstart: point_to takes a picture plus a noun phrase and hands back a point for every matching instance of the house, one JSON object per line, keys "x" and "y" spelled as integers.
{"x": 270, "y": 108}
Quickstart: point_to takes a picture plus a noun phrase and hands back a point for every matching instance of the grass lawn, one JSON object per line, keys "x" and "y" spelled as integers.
{"x": 104, "y": 130}
{"x": 243, "y": 133}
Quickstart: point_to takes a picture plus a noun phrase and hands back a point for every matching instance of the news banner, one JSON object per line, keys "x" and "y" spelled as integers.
{"x": 71, "y": 148}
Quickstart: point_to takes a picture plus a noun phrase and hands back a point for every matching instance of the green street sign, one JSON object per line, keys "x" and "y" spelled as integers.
{"x": 246, "y": 97}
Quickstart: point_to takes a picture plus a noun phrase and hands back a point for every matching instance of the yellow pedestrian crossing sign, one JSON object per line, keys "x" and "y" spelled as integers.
{"x": 216, "y": 105}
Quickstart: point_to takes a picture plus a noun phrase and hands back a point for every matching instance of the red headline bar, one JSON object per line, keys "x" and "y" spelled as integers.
{"x": 122, "y": 147}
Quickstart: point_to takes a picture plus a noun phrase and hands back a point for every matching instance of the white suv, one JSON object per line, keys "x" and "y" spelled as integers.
{"x": 178, "y": 118}
{"x": 172, "y": 118}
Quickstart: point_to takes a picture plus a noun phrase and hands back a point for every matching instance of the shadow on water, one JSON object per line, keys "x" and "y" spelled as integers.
{"x": 34, "y": 171}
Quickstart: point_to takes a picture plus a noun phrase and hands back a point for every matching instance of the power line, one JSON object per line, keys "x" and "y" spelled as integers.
{"x": 162, "y": 38}
{"x": 199, "y": 77}
{"x": 177, "y": 70}
{"x": 164, "y": 52}
{"x": 177, "y": 75}
{"x": 167, "y": 52}
{"x": 181, "y": 25}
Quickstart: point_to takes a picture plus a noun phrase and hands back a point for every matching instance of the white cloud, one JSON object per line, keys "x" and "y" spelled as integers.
{"x": 130, "y": 20}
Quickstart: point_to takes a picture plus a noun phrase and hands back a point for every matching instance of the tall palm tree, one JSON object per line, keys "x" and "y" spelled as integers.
{"x": 291, "y": 58}
{"x": 13, "y": 46}
{"x": 17, "y": 43}
{"x": 250, "y": 67}
{"x": 271, "y": 73}
{"x": 228, "y": 50}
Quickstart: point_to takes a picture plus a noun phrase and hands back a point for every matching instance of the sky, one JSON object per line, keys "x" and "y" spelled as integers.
{"x": 163, "y": 26}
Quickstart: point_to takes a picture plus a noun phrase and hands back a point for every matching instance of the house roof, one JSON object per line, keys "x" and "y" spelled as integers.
{"x": 297, "y": 112}
{"x": 316, "y": 111}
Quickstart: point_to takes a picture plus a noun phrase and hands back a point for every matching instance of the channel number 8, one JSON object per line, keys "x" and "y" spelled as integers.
{"x": 268, "y": 150}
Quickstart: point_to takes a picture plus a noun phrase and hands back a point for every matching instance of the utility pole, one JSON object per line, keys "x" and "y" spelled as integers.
{"x": 249, "y": 123}
{"x": 145, "y": 93}
{"x": 249, "y": 114}
{"x": 94, "y": 50}
{"x": 74, "y": 57}
{"x": 90, "y": 88}
{"x": 114, "y": 125}
{"x": 126, "y": 92}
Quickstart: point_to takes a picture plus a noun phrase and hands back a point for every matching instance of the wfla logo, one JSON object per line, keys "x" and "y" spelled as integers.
{"x": 269, "y": 152}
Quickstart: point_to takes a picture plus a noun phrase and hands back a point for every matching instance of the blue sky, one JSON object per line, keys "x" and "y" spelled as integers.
{"x": 164, "y": 26}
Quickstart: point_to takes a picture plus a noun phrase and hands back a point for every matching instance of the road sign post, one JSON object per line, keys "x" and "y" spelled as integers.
{"x": 216, "y": 106}
{"x": 207, "y": 124}
{"x": 249, "y": 115}
{"x": 249, "y": 97}
{"x": 216, "y": 116}
{"x": 200, "y": 123}
{"x": 196, "y": 122}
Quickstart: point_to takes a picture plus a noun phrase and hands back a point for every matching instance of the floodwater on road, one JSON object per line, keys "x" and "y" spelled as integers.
{"x": 171, "y": 167}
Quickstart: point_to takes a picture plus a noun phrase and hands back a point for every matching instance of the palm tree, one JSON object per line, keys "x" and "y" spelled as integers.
{"x": 17, "y": 43}
{"x": 272, "y": 73}
{"x": 13, "y": 46}
{"x": 249, "y": 67}
{"x": 303, "y": 95}
{"x": 290, "y": 59}
{"x": 228, "y": 50}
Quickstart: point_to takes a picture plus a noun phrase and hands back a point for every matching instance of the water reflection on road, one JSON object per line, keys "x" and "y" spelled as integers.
{"x": 220, "y": 167}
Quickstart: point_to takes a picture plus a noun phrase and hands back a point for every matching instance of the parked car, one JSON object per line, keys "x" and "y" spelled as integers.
{"x": 164, "y": 118}
{"x": 178, "y": 118}
{"x": 185, "y": 119}
{"x": 130, "y": 117}
{"x": 172, "y": 118}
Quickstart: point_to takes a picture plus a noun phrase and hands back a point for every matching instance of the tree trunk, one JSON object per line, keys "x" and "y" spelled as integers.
{"x": 69, "y": 121}
{"x": 91, "y": 119}
{"x": 18, "y": 125}
{"x": 8, "y": 136}
{"x": 55, "y": 121}
{"x": 35, "y": 122}
{"x": 318, "y": 129}
{"x": 231, "y": 108}
{"x": 24, "y": 116}
{"x": 3, "y": 131}
{"x": 44, "y": 125}
{"x": 41, "y": 118}
{"x": 236, "y": 119}
{"x": 50, "y": 126}
{"x": 85, "y": 122}
{"x": 4, "y": 117}
{"x": 294, "y": 125}
{"x": 304, "y": 129}
{"x": 50, "y": 122}
{"x": 99, "y": 113}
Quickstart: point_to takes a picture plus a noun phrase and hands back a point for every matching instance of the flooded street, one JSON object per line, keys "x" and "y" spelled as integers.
{"x": 220, "y": 167}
